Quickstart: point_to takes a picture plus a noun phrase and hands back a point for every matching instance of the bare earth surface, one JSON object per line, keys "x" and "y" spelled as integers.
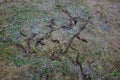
{"x": 59, "y": 40}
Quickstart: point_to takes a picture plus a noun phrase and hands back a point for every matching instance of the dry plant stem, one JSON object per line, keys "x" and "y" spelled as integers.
{"x": 78, "y": 63}
{"x": 21, "y": 33}
{"x": 66, "y": 12}
{"x": 84, "y": 77}
{"x": 47, "y": 36}
{"x": 75, "y": 36}
{"x": 26, "y": 48}
{"x": 72, "y": 22}
{"x": 19, "y": 46}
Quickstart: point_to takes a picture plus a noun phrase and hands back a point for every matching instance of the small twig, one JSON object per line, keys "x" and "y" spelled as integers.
{"x": 75, "y": 19}
{"x": 67, "y": 12}
{"x": 70, "y": 42}
{"x": 72, "y": 21}
{"x": 84, "y": 77}
{"x": 51, "y": 24}
{"x": 82, "y": 39}
{"x": 48, "y": 35}
{"x": 28, "y": 39}
{"x": 55, "y": 41}
{"x": 77, "y": 58}
{"x": 19, "y": 46}
{"x": 84, "y": 20}
{"x": 76, "y": 36}
{"x": 21, "y": 32}
{"x": 39, "y": 41}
